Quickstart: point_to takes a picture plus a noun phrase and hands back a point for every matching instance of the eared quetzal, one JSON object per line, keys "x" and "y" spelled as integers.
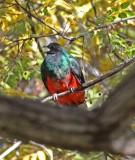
{"x": 61, "y": 72}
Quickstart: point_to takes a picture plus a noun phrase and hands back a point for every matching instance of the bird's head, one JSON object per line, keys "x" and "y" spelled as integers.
{"x": 55, "y": 47}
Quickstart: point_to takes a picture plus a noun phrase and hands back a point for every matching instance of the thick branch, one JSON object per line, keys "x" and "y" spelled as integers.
{"x": 104, "y": 129}
{"x": 97, "y": 80}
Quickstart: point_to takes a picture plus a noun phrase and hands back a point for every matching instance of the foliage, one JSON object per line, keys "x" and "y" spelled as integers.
{"x": 26, "y": 26}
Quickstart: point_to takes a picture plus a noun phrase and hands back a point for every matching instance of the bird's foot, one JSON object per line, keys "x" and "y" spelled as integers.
{"x": 71, "y": 89}
{"x": 55, "y": 96}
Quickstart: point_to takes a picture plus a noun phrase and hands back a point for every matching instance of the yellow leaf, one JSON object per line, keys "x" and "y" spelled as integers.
{"x": 82, "y": 10}
{"x": 41, "y": 155}
{"x": 33, "y": 156}
{"x": 27, "y": 157}
{"x": 4, "y": 24}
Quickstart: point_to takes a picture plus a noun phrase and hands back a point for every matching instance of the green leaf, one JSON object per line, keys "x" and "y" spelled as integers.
{"x": 100, "y": 33}
{"x": 111, "y": 18}
{"x": 45, "y": 11}
{"x": 109, "y": 12}
{"x": 129, "y": 12}
{"x": 122, "y": 15}
{"x": 115, "y": 9}
{"x": 25, "y": 61}
{"x": 26, "y": 75}
{"x": 99, "y": 20}
{"x": 114, "y": 32}
{"x": 20, "y": 28}
{"x": 125, "y": 5}
{"x": 91, "y": 34}
{"x": 11, "y": 81}
{"x": 133, "y": 52}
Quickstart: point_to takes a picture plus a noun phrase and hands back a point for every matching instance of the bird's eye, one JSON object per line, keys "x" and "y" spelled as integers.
{"x": 53, "y": 47}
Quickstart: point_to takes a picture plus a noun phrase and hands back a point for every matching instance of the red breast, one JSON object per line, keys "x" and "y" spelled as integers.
{"x": 58, "y": 86}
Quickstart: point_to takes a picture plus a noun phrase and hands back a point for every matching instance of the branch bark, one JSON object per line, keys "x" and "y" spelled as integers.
{"x": 103, "y": 129}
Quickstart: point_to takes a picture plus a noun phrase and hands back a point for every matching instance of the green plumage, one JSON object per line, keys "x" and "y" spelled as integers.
{"x": 58, "y": 63}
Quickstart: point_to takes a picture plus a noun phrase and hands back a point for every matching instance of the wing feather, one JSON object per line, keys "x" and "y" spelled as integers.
{"x": 75, "y": 68}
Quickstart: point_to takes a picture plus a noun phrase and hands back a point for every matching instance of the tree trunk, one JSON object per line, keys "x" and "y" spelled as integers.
{"x": 106, "y": 128}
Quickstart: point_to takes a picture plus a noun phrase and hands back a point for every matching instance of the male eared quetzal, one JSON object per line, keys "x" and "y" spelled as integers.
{"x": 61, "y": 72}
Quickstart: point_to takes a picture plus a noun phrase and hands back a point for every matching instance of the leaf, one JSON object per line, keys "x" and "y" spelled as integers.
{"x": 125, "y": 5}
{"x": 91, "y": 34}
{"x": 114, "y": 32}
{"x": 33, "y": 156}
{"x": 115, "y": 9}
{"x": 133, "y": 52}
{"x": 109, "y": 12}
{"x": 20, "y": 28}
{"x": 45, "y": 11}
{"x": 122, "y": 15}
{"x": 99, "y": 20}
{"x": 41, "y": 155}
{"x": 129, "y": 12}
{"x": 111, "y": 18}
{"x": 26, "y": 75}
{"x": 11, "y": 81}
{"x": 27, "y": 157}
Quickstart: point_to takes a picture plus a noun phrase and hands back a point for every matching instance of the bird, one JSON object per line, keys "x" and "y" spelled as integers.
{"x": 60, "y": 72}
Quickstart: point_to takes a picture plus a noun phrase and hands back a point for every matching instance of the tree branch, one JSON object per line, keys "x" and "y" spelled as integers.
{"x": 71, "y": 39}
{"x": 38, "y": 19}
{"x": 102, "y": 26}
{"x": 103, "y": 129}
{"x": 97, "y": 80}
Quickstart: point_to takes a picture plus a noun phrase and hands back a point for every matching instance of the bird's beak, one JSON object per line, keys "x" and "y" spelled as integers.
{"x": 45, "y": 46}
{"x": 46, "y": 49}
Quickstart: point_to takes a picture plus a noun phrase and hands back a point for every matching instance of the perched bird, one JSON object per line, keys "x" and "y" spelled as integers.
{"x": 61, "y": 72}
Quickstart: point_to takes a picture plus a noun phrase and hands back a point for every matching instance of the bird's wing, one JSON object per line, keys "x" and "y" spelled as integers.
{"x": 75, "y": 68}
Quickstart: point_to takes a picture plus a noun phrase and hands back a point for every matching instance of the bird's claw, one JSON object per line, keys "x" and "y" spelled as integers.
{"x": 55, "y": 96}
{"x": 71, "y": 89}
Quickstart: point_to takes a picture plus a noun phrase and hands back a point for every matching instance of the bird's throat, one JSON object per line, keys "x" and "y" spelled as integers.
{"x": 57, "y": 66}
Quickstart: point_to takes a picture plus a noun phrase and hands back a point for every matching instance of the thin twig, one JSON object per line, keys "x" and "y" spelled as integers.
{"x": 103, "y": 26}
{"x": 38, "y": 19}
{"x": 9, "y": 150}
{"x": 33, "y": 30}
{"x": 31, "y": 37}
{"x": 83, "y": 62}
{"x": 95, "y": 81}
{"x": 8, "y": 6}
{"x": 71, "y": 39}
{"x": 94, "y": 8}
